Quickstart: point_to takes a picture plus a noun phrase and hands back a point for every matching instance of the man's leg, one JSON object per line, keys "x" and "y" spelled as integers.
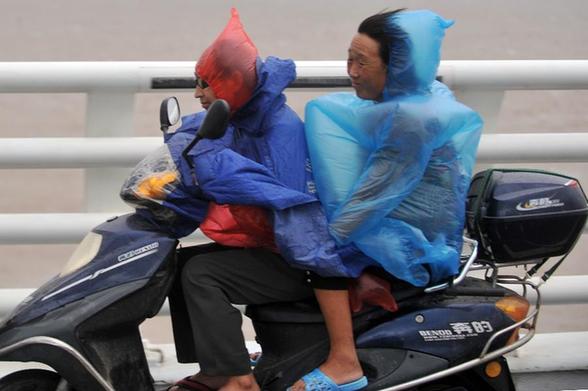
{"x": 211, "y": 282}
{"x": 342, "y": 364}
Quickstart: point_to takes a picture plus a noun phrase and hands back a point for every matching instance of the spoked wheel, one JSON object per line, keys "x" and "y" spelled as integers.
{"x": 30, "y": 380}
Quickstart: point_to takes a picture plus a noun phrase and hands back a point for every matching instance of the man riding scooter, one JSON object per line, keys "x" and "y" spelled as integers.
{"x": 256, "y": 176}
{"x": 393, "y": 163}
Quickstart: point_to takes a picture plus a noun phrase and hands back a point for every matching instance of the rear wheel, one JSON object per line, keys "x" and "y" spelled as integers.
{"x": 30, "y": 380}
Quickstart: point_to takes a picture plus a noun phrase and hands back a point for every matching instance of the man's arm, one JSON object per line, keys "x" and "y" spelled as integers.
{"x": 227, "y": 177}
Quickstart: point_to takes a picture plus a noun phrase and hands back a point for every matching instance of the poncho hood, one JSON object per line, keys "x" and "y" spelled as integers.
{"x": 273, "y": 76}
{"x": 415, "y": 52}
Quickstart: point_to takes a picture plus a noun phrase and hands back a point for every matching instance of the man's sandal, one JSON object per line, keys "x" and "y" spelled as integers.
{"x": 318, "y": 381}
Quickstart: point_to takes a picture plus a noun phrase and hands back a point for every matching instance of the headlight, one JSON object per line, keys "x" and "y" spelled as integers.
{"x": 83, "y": 254}
{"x": 154, "y": 186}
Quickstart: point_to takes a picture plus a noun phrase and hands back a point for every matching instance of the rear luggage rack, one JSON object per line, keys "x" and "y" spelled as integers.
{"x": 528, "y": 324}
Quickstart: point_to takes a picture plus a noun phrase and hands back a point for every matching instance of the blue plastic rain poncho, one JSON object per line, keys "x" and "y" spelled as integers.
{"x": 393, "y": 175}
{"x": 262, "y": 160}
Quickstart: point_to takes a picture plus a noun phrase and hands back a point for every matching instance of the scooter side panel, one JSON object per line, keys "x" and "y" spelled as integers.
{"x": 101, "y": 329}
{"x": 130, "y": 251}
{"x": 455, "y": 330}
{"x": 387, "y": 367}
{"x": 20, "y": 343}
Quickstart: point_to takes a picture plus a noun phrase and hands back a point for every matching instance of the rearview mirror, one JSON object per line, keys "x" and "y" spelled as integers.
{"x": 169, "y": 113}
{"x": 216, "y": 121}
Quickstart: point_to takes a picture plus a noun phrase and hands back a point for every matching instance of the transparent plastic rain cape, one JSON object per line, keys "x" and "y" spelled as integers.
{"x": 393, "y": 175}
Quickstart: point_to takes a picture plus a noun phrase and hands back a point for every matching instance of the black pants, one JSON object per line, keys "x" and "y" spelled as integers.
{"x": 212, "y": 281}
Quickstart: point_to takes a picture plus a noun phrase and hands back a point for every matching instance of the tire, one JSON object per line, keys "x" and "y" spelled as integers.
{"x": 30, "y": 380}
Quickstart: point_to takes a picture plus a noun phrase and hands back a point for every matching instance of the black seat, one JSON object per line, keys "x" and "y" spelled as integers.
{"x": 308, "y": 311}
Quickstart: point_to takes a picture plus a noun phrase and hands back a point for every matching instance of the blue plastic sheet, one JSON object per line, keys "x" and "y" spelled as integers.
{"x": 393, "y": 175}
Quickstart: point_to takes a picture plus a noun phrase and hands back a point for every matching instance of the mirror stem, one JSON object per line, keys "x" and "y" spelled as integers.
{"x": 185, "y": 156}
{"x": 188, "y": 149}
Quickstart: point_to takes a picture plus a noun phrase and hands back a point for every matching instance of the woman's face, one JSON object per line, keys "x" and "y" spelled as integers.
{"x": 366, "y": 68}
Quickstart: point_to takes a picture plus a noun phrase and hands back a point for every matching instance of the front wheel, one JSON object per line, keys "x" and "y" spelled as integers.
{"x": 30, "y": 380}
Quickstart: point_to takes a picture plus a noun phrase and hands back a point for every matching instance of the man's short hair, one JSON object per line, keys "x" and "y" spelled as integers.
{"x": 377, "y": 27}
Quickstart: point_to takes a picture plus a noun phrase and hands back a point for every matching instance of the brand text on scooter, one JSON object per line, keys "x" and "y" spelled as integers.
{"x": 138, "y": 251}
{"x": 458, "y": 331}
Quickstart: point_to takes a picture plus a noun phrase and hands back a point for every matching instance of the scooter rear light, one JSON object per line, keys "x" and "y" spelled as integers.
{"x": 493, "y": 369}
{"x": 515, "y": 307}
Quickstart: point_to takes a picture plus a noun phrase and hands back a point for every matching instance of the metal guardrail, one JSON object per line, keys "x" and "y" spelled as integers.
{"x": 556, "y": 291}
{"x": 57, "y": 228}
{"x": 111, "y": 87}
{"x": 92, "y": 152}
{"x": 56, "y": 77}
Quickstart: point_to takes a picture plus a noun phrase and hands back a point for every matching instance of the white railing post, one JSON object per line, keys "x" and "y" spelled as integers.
{"x": 108, "y": 115}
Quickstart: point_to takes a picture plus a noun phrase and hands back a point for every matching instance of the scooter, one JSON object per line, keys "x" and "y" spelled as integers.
{"x": 84, "y": 322}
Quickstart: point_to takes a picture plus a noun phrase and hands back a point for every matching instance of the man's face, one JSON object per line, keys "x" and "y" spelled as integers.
{"x": 365, "y": 67}
{"x": 204, "y": 93}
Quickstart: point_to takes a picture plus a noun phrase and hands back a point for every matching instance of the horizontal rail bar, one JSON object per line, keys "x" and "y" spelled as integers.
{"x": 516, "y": 74}
{"x": 83, "y": 152}
{"x": 81, "y": 77}
{"x": 125, "y": 76}
{"x": 92, "y": 152}
{"x": 533, "y": 148}
{"x": 62, "y": 228}
{"x": 557, "y": 290}
{"x": 54, "y": 228}
{"x": 561, "y": 290}
{"x": 48, "y": 228}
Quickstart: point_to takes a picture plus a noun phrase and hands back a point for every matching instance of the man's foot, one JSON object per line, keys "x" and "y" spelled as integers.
{"x": 339, "y": 371}
{"x": 241, "y": 383}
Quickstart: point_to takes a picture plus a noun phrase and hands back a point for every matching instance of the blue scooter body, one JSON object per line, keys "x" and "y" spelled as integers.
{"x": 85, "y": 324}
{"x": 429, "y": 333}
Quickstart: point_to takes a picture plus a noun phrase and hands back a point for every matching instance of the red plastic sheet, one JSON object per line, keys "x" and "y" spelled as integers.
{"x": 238, "y": 226}
{"x": 228, "y": 64}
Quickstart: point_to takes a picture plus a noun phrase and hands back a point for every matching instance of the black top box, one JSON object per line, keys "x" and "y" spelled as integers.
{"x": 521, "y": 215}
